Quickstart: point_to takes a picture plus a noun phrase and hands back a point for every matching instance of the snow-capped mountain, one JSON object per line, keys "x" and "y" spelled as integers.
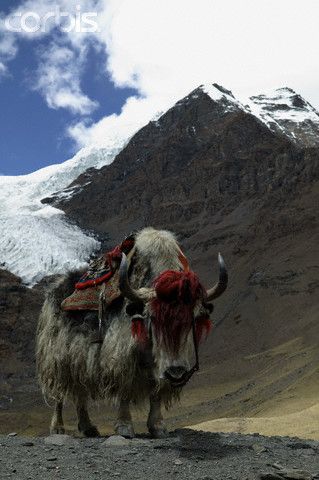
{"x": 282, "y": 110}
{"x": 286, "y": 112}
{"x": 223, "y": 96}
{"x": 36, "y": 239}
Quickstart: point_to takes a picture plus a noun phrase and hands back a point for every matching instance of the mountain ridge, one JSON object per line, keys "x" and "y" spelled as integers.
{"x": 196, "y": 126}
{"x": 31, "y": 207}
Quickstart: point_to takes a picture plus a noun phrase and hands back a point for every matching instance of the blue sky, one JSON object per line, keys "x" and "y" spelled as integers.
{"x": 62, "y": 90}
{"x": 32, "y": 134}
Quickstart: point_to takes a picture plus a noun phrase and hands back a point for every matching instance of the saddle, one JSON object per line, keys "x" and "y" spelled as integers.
{"x": 102, "y": 274}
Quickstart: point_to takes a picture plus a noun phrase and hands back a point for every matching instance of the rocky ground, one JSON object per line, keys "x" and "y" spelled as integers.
{"x": 185, "y": 454}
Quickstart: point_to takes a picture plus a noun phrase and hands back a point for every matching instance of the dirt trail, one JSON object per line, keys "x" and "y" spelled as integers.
{"x": 302, "y": 424}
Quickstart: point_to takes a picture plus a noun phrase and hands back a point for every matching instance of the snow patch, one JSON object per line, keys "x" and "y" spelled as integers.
{"x": 283, "y": 109}
{"x": 221, "y": 94}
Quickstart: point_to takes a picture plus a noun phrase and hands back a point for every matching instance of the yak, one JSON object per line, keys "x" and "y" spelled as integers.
{"x": 150, "y": 335}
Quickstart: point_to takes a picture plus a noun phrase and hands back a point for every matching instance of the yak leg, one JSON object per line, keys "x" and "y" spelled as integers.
{"x": 85, "y": 425}
{"x": 57, "y": 419}
{"x": 155, "y": 423}
{"x": 124, "y": 425}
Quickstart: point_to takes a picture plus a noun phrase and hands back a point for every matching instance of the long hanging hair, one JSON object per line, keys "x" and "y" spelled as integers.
{"x": 173, "y": 306}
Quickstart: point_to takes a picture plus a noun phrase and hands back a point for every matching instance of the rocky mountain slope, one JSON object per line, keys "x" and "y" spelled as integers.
{"x": 287, "y": 113}
{"x": 38, "y": 240}
{"x": 203, "y": 156}
{"x": 223, "y": 179}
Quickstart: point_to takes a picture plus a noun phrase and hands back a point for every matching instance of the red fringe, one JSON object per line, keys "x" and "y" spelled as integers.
{"x": 139, "y": 331}
{"x": 114, "y": 256}
{"x": 113, "y": 259}
{"x": 203, "y": 326}
{"x": 176, "y": 296}
{"x": 173, "y": 286}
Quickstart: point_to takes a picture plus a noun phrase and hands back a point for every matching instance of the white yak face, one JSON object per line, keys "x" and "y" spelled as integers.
{"x": 172, "y": 366}
{"x": 167, "y": 294}
{"x": 168, "y": 341}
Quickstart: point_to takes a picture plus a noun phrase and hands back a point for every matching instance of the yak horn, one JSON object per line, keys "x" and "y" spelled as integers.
{"x": 221, "y": 285}
{"x": 136, "y": 296}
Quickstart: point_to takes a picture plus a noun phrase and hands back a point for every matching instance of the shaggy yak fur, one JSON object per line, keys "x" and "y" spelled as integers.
{"x": 122, "y": 368}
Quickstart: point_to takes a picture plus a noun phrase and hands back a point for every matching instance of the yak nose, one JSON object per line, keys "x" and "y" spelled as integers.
{"x": 175, "y": 373}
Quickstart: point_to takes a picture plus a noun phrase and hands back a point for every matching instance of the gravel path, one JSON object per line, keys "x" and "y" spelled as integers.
{"x": 185, "y": 454}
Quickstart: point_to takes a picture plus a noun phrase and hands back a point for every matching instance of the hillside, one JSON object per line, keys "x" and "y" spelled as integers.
{"x": 223, "y": 180}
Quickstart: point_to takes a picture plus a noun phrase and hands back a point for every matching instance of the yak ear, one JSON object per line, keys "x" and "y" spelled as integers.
{"x": 134, "y": 308}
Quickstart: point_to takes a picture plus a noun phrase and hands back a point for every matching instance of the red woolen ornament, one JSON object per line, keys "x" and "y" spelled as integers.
{"x": 139, "y": 331}
{"x": 202, "y": 327}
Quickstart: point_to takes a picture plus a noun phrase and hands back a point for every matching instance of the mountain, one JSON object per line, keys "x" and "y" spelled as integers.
{"x": 19, "y": 308}
{"x": 224, "y": 179}
{"x": 38, "y": 240}
{"x": 203, "y": 157}
{"x": 286, "y": 112}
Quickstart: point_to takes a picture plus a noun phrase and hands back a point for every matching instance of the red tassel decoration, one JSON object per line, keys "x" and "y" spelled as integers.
{"x": 172, "y": 308}
{"x": 203, "y": 327}
{"x": 139, "y": 331}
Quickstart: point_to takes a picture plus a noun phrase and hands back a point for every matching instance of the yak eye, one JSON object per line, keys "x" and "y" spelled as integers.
{"x": 209, "y": 307}
{"x": 134, "y": 309}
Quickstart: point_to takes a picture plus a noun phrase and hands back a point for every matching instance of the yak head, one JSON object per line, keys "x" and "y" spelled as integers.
{"x": 170, "y": 319}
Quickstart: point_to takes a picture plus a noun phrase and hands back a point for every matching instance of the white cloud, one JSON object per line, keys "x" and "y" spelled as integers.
{"x": 61, "y": 64}
{"x": 8, "y": 46}
{"x": 135, "y": 113}
{"x": 174, "y": 46}
{"x": 166, "y": 48}
{"x": 58, "y": 79}
{"x": 3, "y": 70}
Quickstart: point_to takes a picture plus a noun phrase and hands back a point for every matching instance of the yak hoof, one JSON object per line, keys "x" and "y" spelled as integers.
{"x": 158, "y": 432}
{"x": 125, "y": 430}
{"x": 89, "y": 431}
{"x": 57, "y": 430}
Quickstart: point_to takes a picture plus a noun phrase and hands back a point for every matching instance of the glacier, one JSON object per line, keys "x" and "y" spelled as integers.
{"x": 38, "y": 240}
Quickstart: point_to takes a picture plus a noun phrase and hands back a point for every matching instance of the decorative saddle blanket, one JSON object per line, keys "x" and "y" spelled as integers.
{"x": 102, "y": 272}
